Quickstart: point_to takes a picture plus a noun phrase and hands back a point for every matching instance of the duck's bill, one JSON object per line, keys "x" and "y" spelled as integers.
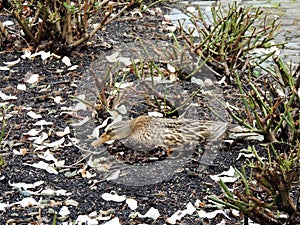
{"x": 102, "y": 139}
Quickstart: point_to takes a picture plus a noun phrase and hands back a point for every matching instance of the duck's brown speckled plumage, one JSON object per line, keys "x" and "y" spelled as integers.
{"x": 168, "y": 133}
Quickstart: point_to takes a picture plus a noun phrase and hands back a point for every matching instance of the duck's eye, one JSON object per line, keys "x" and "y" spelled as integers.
{"x": 109, "y": 131}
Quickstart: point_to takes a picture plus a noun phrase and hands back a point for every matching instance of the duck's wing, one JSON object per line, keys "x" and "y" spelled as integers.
{"x": 197, "y": 130}
{"x": 211, "y": 129}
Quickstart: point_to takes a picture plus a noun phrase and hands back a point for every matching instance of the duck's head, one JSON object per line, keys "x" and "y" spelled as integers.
{"x": 114, "y": 131}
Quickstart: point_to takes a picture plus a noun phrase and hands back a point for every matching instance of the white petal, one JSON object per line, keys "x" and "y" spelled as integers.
{"x": 113, "y": 57}
{"x": 42, "y": 123}
{"x": 12, "y": 63}
{"x": 114, "y": 221}
{"x": 132, "y": 203}
{"x": 45, "y": 55}
{"x": 8, "y": 23}
{"x": 113, "y": 197}
{"x": 21, "y": 87}
{"x": 5, "y": 97}
{"x": 33, "y": 115}
{"x": 4, "y": 68}
{"x": 55, "y": 143}
{"x": 32, "y": 79}
{"x": 66, "y": 60}
{"x": 64, "y": 211}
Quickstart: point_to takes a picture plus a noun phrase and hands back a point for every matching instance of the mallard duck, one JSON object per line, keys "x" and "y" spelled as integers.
{"x": 168, "y": 133}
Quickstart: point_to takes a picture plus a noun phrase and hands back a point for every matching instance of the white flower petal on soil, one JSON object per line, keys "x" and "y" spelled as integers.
{"x": 26, "y": 186}
{"x": 173, "y": 77}
{"x": 48, "y": 156}
{"x": 55, "y": 143}
{"x": 230, "y": 172}
{"x": 251, "y": 136}
{"x": 125, "y": 60}
{"x": 5, "y": 97}
{"x": 45, "y": 55}
{"x": 40, "y": 139}
{"x": 73, "y": 68}
{"x": 58, "y": 99}
{"x": 42, "y": 123}
{"x": 151, "y": 213}
{"x": 64, "y": 108}
{"x": 60, "y": 192}
{"x": 113, "y": 57}
{"x": 3, "y": 206}
{"x": 63, "y": 133}
{"x": 64, "y": 211}
{"x": 132, "y": 203}
{"x": 33, "y": 115}
{"x": 177, "y": 216}
{"x": 119, "y": 85}
{"x": 222, "y": 81}
{"x": 155, "y": 114}
{"x": 246, "y": 155}
{"x": 22, "y": 151}
{"x": 71, "y": 202}
{"x": 197, "y": 81}
{"x": 114, "y": 221}
{"x": 33, "y": 78}
{"x": 211, "y": 215}
{"x": 228, "y": 176}
{"x": 171, "y": 68}
{"x": 84, "y": 219}
{"x": 21, "y": 87}
{"x": 208, "y": 82}
{"x": 113, "y": 197}
{"x": 55, "y": 56}
{"x": 4, "y": 68}
{"x": 12, "y": 63}
{"x": 93, "y": 214}
{"x": 26, "y": 202}
{"x": 33, "y": 132}
{"x": 250, "y": 222}
{"x": 80, "y": 106}
{"x": 44, "y": 166}
{"x": 73, "y": 141}
{"x": 190, "y": 209}
{"x": 81, "y": 122}
{"x": 40, "y": 148}
{"x": 36, "y": 54}
{"x": 47, "y": 192}
{"x": 26, "y": 55}
{"x": 8, "y": 23}
{"x": 66, "y": 60}
{"x": 235, "y": 212}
